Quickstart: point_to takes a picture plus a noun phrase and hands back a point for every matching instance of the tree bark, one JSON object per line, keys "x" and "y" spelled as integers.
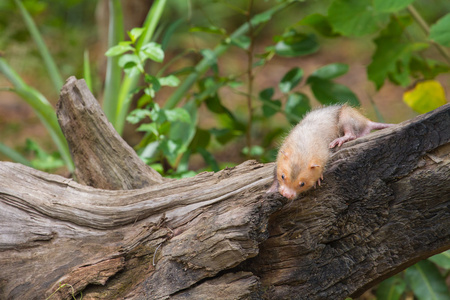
{"x": 131, "y": 234}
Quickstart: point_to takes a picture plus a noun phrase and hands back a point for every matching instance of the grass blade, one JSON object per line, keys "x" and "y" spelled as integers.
{"x": 87, "y": 70}
{"x": 14, "y": 155}
{"x": 113, "y": 71}
{"x": 50, "y": 64}
{"x": 42, "y": 108}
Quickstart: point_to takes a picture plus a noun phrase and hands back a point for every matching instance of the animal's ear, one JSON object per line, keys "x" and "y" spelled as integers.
{"x": 314, "y": 165}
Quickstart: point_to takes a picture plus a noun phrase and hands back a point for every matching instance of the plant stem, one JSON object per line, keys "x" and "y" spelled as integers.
{"x": 129, "y": 83}
{"x": 250, "y": 78}
{"x": 426, "y": 29}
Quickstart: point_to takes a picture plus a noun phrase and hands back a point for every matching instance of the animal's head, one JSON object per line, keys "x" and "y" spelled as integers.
{"x": 294, "y": 178}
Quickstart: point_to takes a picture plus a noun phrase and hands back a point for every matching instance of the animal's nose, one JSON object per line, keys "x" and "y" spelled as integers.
{"x": 288, "y": 193}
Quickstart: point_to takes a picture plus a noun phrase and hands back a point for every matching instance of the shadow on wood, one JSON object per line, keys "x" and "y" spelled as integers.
{"x": 131, "y": 234}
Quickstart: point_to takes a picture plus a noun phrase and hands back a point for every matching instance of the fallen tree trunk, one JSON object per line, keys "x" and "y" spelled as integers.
{"x": 383, "y": 206}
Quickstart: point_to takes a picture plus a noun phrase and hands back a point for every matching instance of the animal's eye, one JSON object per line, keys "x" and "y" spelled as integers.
{"x": 302, "y": 184}
{"x": 283, "y": 177}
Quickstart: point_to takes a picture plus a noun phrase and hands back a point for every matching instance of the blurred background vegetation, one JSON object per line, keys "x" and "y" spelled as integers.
{"x": 198, "y": 85}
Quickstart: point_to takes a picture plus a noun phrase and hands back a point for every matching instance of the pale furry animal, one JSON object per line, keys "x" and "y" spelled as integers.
{"x": 304, "y": 153}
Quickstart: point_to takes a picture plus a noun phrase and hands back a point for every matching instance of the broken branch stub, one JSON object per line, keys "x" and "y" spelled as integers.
{"x": 102, "y": 158}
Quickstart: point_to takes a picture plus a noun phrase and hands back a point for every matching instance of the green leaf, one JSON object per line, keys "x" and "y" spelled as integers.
{"x": 215, "y": 105}
{"x": 425, "y": 96}
{"x": 392, "y": 54}
{"x": 209, "y": 55}
{"x": 331, "y": 71}
{"x": 151, "y": 127}
{"x": 391, "y": 289}
{"x": 242, "y": 42}
{"x": 153, "y": 51}
{"x": 225, "y": 135}
{"x": 171, "y": 150}
{"x": 138, "y": 115}
{"x": 209, "y": 29}
{"x": 170, "y": 80}
{"x": 390, "y": 6}
{"x": 254, "y": 151}
{"x": 128, "y": 61}
{"x": 320, "y": 23}
{"x": 201, "y": 139}
{"x": 296, "y": 44}
{"x": 297, "y": 106}
{"x": 209, "y": 159}
{"x": 442, "y": 259}
{"x": 355, "y": 17}
{"x": 427, "y": 68}
{"x": 439, "y": 32}
{"x": 118, "y": 49}
{"x": 177, "y": 114}
{"x": 290, "y": 80}
{"x": 328, "y": 92}
{"x": 183, "y": 132}
{"x": 135, "y": 33}
{"x": 427, "y": 282}
{"x": 266, "y": 94}
{"x": 270, "y": 107}
{"x": 262, "y": 17}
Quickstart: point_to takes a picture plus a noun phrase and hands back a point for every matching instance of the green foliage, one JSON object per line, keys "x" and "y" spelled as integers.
{"x": 43, "y": 160}
{"x": 439, "y": 32}
{"x": 426, "y": 279}
{"x": 391, "y": 289}
{"x": 355, "y": 17}
{"x": 427, "y": 282}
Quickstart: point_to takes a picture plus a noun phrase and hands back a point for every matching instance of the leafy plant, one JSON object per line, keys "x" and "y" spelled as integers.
{"x": 117, "y": 93}
{"x": 426, "y": 280}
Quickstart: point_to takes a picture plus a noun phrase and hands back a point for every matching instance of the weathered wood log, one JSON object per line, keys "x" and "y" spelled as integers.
{"x": 383, "y": 206}
{"x": 95, "y": 145}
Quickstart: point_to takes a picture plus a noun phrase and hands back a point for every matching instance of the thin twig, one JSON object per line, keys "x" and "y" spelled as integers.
{"x": 250, "y": 77}
{"x": 426, "y": 29}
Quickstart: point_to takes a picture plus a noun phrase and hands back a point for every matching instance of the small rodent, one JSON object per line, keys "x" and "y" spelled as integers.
{"x": 304, "y": 153}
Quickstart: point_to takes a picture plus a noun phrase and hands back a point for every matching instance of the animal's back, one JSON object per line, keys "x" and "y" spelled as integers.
{"x": 313, "y": 135}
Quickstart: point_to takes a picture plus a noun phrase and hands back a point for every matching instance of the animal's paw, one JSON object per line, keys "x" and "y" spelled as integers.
{"x": 318, "y": 181}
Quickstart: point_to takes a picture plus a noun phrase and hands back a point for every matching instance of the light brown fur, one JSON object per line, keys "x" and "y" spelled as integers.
{"x": 304, "y": 153}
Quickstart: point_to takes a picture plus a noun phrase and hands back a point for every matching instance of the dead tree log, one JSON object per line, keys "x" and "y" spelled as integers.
{"x": 384, "y": 205}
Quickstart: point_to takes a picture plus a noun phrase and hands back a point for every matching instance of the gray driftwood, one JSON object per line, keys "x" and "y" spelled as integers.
{"x": 384, "y": 205}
